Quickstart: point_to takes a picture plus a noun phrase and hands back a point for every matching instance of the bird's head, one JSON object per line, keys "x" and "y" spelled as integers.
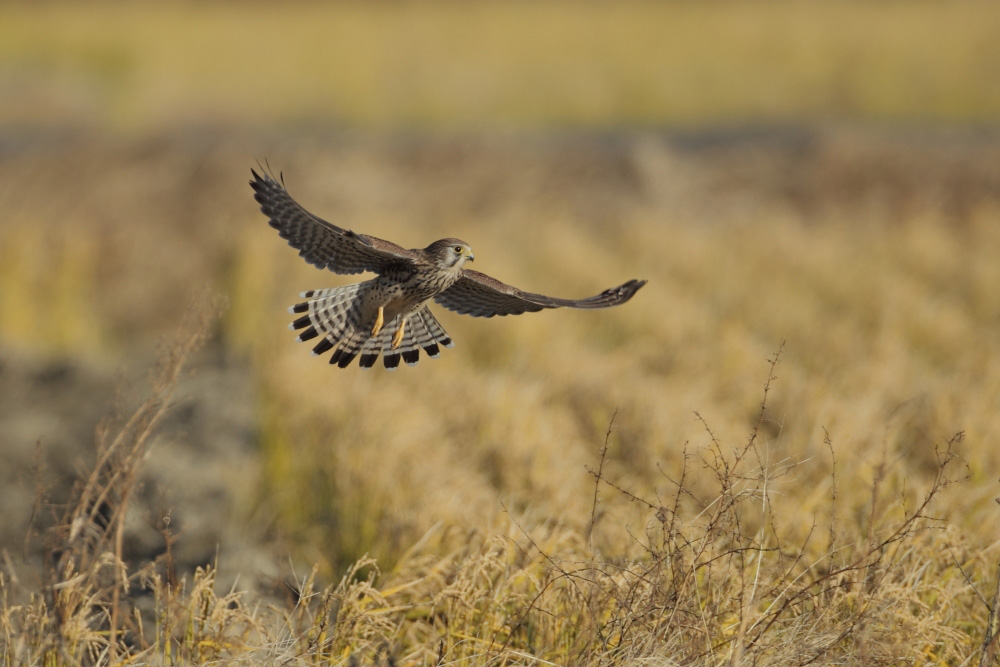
{"x": 450, "y": 253}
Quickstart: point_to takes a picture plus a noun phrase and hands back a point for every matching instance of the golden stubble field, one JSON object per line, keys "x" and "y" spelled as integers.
{"x": 782, "y": 451}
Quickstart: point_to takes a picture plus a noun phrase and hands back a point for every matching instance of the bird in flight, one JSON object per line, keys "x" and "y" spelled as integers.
{"x": 389, "y": 314}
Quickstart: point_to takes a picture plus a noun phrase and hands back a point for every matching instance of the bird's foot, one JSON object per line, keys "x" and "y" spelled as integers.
{"x": 379, "y": 321}
{"x": 397, "y": 338}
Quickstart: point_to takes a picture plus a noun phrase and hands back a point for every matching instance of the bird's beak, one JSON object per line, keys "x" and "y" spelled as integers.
{"x": 472, "y": 257}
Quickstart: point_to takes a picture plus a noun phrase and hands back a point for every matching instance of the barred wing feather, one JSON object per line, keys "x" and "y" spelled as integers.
{"x": 480, "y": 295}
{"x": 319, "y": 242}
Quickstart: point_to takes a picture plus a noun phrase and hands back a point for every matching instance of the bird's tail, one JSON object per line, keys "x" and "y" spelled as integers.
{"x": 334, "y": 316}
{"x": 423, "y": 332}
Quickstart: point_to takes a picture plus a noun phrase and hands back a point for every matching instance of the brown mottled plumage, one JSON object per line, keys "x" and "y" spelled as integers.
{"x": 388, "y": 315}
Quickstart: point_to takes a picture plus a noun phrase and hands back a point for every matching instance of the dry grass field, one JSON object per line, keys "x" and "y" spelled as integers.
{"x": 784, "y": 450}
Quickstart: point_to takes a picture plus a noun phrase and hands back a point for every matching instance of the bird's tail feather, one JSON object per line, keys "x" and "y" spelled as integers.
{"x": 417, "y": 336}
{"x": 422, "y": 333}
{"x": 331, "y": 313}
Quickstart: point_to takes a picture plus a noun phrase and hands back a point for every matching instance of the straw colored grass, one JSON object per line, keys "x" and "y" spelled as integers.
{"x": 568, "y": 488}
{"x": 782, "y": 451}
{"x": 715, "y": 576}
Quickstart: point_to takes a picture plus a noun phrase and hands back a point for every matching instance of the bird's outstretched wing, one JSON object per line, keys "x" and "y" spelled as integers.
{"x": 319, "y": 242}
{"x": 480, "y": 295}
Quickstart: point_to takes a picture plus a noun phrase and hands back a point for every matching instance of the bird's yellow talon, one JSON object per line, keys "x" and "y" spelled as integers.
{"x": 397, "y": 338}
{"x": 379, "y": 321}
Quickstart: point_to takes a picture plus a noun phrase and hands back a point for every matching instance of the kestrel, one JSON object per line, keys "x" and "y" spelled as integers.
{"x": 388, "y": 314}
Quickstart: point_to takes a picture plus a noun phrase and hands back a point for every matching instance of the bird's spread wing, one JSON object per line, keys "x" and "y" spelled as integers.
{"x": 480, "y": 295}
{"x": 319, "y": 242}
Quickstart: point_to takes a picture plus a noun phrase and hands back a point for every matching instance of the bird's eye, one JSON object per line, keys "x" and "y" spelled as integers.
{"x": 459, "y": 249}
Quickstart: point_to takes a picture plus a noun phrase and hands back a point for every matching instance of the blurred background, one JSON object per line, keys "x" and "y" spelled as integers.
{"x": 825, "y": 175}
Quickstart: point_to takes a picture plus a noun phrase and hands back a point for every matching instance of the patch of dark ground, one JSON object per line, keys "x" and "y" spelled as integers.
{"x": 198, "y": 475}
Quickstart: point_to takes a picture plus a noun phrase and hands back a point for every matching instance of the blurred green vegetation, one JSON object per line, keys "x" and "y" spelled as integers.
{"x": 520, "y": 64}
